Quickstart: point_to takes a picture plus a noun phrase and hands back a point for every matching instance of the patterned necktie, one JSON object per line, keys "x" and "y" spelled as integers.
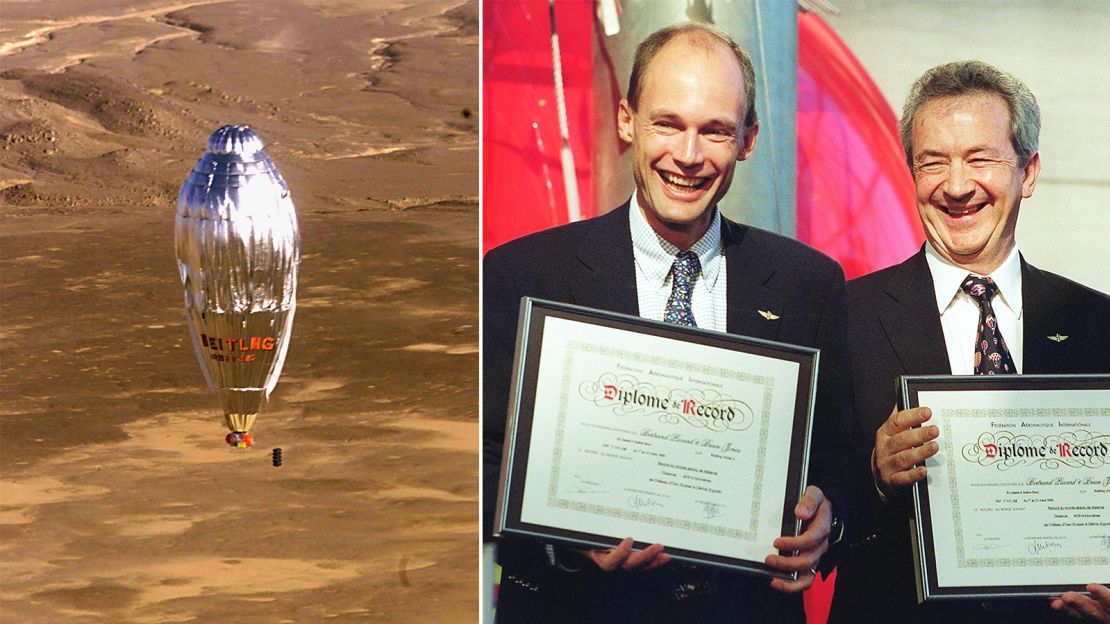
{"x": 991, "y": 355}
{"x": 684, "y": 272}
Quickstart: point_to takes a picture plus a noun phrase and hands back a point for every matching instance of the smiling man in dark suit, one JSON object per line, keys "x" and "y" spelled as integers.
{"x": 667, "y": 253}
{"x": 970, "y": 135}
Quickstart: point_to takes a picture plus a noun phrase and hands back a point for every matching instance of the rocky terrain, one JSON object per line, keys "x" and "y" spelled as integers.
{"x": 119, "y": 501}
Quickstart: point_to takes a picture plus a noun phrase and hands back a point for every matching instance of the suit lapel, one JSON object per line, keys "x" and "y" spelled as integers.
{"x": 910, "y": 319}
{"x": 1044, "y": 314}
{"x": 607, "y": 279}
{"x": 748, "y": 294}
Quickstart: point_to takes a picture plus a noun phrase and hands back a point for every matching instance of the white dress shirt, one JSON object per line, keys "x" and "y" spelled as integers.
{"x": 959, "y": 312}
{"x": 654, "y": 258}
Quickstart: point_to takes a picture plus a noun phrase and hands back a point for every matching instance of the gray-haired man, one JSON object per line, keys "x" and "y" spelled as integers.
{"x": 970, "y": 133}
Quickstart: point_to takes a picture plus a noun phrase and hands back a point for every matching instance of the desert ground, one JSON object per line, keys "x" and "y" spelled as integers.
{"x": 119, "y": 500}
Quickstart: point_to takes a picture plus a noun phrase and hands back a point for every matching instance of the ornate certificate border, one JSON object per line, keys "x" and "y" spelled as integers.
{"x": 522, "y": 409}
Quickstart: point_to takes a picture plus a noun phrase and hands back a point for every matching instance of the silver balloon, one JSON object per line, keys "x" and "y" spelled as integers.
{"x": 238, "y": 250}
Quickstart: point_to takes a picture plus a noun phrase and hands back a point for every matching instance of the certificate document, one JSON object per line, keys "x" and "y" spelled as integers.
{"x": 1017, "y": 501}
{"x": 626, "y": 427}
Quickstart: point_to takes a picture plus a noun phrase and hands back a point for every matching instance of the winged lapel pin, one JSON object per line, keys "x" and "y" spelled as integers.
{"x": 769, "y": 315}
{"x": 1057, "y": 338}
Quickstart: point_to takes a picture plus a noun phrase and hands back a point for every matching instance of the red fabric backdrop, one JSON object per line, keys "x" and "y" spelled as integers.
{"x": 522, "y": 176}
{"x": 855, "y": 194}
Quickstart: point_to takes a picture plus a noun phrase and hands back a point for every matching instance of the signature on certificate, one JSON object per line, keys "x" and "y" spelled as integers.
{"x": 638, "y": 502}
{"x": 711, "y": 510}
{"x": 1038, "y": 546}
{"x": 1105, "y": 541}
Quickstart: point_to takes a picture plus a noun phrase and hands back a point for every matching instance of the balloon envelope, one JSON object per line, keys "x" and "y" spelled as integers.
{"x": 238, "y": 250}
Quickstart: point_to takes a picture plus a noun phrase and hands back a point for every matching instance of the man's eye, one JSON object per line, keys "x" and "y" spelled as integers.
{"x": 931, "y": 166}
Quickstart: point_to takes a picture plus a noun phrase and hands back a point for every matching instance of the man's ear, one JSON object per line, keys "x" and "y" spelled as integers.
{"x": 747, "y": 142}
{"x": 1032, "y": 170}
{"x": 624, "y": 121}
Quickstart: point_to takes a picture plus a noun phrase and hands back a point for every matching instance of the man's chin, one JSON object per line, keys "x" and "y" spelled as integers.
{"x": 968, "y": 253}
{"x": 681, "y": 214}
{"x": 682, "y": 222}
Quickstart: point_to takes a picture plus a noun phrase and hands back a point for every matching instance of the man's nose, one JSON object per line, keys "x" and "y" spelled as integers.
{"x": 689, "y": 152}
{"x": 959, "y": 185}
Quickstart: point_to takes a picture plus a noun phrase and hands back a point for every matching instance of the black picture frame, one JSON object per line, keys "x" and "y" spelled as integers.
{"x": 924, "y": 534}
{"x": 514, "y": 468}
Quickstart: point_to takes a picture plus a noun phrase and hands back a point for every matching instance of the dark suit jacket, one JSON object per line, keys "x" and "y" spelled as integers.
{"x": 591, "y": 263}
{"x": 895, "y": 330}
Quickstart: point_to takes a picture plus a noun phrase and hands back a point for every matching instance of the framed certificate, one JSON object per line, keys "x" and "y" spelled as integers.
{"x": 1017, "y": 499}
{"x": 620, "y": 426}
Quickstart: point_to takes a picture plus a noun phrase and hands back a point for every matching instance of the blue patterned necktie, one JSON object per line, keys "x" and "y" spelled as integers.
{"x": 991, "y": 355}
{"x": 684, "y": 272}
